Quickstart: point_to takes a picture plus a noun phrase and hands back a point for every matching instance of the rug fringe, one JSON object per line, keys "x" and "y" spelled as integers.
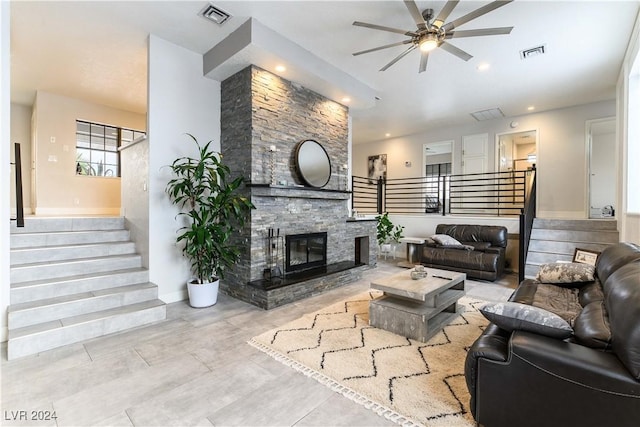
{"x": 381, "y": 410}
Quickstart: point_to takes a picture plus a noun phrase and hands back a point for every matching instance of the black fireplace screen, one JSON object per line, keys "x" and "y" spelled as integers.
{"x": 306, "y": 251}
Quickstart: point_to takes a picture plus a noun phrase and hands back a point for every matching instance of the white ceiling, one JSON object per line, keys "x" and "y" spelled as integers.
{"x": 96, "y": 50}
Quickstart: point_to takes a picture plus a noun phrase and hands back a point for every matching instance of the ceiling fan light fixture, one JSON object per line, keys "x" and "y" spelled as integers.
{"x": 428, "y": 43}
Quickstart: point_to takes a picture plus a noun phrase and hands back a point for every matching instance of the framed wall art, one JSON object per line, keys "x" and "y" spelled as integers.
{"x": 585, "y": 256}
{"x": 377, "y": 167}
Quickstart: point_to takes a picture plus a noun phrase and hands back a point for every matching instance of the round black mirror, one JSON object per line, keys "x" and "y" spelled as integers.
{"x": 313, "y": 163}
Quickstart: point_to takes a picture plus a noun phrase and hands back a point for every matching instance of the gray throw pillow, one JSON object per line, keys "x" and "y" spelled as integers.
{"x": 445, "y": 240}
{"x": 512, "y": 316}
{"x": 566, "y": 273}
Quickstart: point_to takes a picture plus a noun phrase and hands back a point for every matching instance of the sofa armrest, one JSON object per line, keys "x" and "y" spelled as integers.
{"x": 546, "y": 381}
{"x": 487, "y": 346}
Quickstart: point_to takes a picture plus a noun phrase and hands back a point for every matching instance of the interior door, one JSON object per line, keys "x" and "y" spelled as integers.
{"x": 602, "y": 167}
{"x": 474, "y": 153}
{"x": 467, "y": 198}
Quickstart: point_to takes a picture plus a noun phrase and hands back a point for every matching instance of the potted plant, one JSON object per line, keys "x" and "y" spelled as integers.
{"x": 205, "y": 193}
{"x": 388, "y": 235}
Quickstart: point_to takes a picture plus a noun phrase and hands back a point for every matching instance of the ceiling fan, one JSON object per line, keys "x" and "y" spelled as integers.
{"x": 433, "y": 33}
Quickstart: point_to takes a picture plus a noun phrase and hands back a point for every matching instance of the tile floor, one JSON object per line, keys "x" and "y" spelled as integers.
{"x": 195, "y": 368}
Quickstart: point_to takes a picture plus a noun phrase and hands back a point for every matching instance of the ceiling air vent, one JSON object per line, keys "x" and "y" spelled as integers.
{"x": 491, "y": 113}
{"x": 534, "y": 51}
{"x": 212, "y": 13}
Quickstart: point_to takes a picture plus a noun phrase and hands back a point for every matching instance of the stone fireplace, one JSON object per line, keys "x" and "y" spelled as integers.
{"x": 263, "y": 119}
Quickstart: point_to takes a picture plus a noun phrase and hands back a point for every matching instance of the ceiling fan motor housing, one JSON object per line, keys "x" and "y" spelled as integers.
{"x": 427, "y": 14}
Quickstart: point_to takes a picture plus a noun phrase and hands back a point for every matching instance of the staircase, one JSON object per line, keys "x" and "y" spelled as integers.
{"x": 73, "y": 279}
{"x": 556, "y": 239}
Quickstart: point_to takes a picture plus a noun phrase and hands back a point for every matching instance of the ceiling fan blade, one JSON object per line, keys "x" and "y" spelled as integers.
{"x": 424, "y": 57}
{"x": 455, "y": 51}
{"x": 382, "y": 47}
{"x": 480, "y": 32}
{"x": 415, "y": 14}
{"x": 444, "y": 13}
{"x": 383, "y": 28}
{"x": 398, "y": 58}
{"x": 475, "y": 14}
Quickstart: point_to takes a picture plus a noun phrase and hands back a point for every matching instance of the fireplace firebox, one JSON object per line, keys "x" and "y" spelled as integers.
{"x": 305, "y": 251}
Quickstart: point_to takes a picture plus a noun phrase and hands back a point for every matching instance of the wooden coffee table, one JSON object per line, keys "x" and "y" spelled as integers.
{"x": 417, "y": 309}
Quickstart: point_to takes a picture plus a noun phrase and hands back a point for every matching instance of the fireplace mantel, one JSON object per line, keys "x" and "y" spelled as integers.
{"x": 268, "y": 190}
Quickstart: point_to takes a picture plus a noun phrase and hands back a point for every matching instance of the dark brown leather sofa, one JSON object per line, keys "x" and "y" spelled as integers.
{"x": 486, "y": 260}
{"x": 525, "y": 379}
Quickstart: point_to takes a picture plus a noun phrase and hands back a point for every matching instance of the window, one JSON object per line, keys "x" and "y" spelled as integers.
{"x": 435, "y": 175}
{"x": 440, "y": 169}
{"x": 97, "y": 148}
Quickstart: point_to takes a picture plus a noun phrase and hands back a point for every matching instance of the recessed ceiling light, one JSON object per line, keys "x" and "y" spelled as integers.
{"x": 531, "y": 108}
{"x": 387, "y": 135}
{"x": 346, "y": 99}
{"x": 483, "y": 67}
{"x": 281, "y": 68}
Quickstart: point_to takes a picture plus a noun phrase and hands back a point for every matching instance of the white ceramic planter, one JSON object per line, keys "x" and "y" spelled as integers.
{"x": 387, "y": 249}
{"x": 203, "y": 295}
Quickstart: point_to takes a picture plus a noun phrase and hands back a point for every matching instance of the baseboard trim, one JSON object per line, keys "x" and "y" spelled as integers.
{"x": 77, "y": 211}
{"x": 562, "y": 215}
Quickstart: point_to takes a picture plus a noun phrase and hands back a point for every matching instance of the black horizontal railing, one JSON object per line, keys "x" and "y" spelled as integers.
{"x": 492, "y": 194}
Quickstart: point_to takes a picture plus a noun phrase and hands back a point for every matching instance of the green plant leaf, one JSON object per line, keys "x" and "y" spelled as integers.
{"x": 214, "y": 210}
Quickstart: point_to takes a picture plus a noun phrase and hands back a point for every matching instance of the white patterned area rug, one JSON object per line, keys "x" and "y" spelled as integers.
{"x": 407, "y": 381}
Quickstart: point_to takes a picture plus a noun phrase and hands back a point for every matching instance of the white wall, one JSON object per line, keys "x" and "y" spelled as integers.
{"x": 181, "y": 100}
{"x": 5, "y": 159}
{"x": 21, "y": 133}
{"x": 628, "y": 129}
{"x": 134, "y": 170}
{"x": 561, "y": 154}
{"x": 58, "y": 189}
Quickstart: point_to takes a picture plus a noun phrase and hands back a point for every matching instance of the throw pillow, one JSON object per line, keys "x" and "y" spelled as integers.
{"x": 566, "y": 273}
{"x": 512, "y": 316}
{"x": 445, "y": 240}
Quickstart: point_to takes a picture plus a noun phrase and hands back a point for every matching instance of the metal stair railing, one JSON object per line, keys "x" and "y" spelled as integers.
{"x": 17, "y": 163}
{"x": 527, "y": 216}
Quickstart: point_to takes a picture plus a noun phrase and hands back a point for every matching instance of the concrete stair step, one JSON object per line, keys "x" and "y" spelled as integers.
{"x": 56, "y": 224}
{"x": 576, "y": 224}
{"x": 69, "y": 252}
{"x": 530, "y": 270}
{"x": 544, "y": 258}
{"x": 26, "y": 240}
{"x": 565, "y": 248}
{"x": 34, "y": 312}
{"x": 58, "y": 269}
{"x": 45, "y": 336}
{"x": 50, "y": 288}
{"x": 574, "y": 236}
